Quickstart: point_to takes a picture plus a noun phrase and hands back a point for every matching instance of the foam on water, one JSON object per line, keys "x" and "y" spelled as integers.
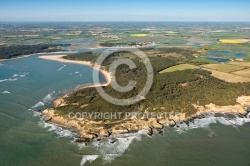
{"x": 212, "y": 119}
{"x": 114, "y": 146}
{"x": 9, "y": 79}
{"x": 61, "y": 68}
{"x": 6, "y": 92}
{"x": 39, "y": 104}
{"x": 24, "y": 74}
{"x": 21, "y": 74}
{"x": 15, "y": 77}
{"x": 47, "y": 100}
{"x": 77, "y": 86}
{"x": 35, "y": 113}
{"x": 59, "y": 130}
{"x": 88, "y": 158}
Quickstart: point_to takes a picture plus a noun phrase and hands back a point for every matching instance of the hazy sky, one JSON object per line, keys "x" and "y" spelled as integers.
{"x": 126, "y": 10}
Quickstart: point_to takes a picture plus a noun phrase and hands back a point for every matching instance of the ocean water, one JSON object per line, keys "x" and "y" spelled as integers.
{"x": 28, "y": 85}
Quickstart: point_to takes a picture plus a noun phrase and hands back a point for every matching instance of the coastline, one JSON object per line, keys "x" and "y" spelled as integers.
{"x": 40, "y": 53}
{"x": 19, "y": 57}
{"x": 87, "y": 128}
{"x": 88, "y": 131}
{"x": 59, "y": 58}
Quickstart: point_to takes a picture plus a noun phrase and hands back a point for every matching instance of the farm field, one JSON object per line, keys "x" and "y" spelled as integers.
{"x": 179, "y": 67}
{"x": 234, "y": 41}
{"x": 224, "y": 67}
{"x": 231, "y": 72}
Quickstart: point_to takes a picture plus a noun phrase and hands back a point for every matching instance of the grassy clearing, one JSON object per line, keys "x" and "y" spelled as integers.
{"x": 245, "y": 73}
{"x": 172, "y": 32}
{"x": 224, "y": 67}
{"x": 228, "y": 76}
{"x": 234, "y": 41}
{"x": 139, "y": 35}
{"x": 245, "y": 64}
{"x": 201, "y": 61}
{"x": 231, "y": 72}
{"x": 179, "y": 67}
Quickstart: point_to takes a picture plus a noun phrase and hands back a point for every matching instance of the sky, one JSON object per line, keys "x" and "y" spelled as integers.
{"x": 126, "y": 10}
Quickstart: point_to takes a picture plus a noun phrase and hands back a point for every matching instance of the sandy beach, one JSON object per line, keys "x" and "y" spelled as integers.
{"x": 22, "y": 56}
{"x": 40, "y": 53}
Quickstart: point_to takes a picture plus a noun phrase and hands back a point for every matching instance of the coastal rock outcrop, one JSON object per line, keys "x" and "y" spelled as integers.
{"x": 88, "y": 129}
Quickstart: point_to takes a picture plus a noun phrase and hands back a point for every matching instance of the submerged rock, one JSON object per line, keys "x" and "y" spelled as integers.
{"x": 172, "y": 123}
{"x": 112, "y": 142}
{"x": 150, "y": 132}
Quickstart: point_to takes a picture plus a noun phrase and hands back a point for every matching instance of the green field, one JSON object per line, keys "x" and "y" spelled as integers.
{"x": 179, "y": 67}
{"x": 228, "y": 68}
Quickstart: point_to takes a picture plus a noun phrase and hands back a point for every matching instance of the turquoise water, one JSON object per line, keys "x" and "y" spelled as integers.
{"x": 28, "y": 85}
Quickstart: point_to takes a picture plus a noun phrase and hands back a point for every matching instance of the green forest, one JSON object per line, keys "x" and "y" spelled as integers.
{"x": 8, "y": 52}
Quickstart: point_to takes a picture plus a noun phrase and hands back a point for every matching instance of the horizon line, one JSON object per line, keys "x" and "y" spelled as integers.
{"x": 126, "y": 21}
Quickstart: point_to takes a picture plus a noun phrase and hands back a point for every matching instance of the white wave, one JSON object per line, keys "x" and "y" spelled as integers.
{"x": 224, "y": 121}
{"x": 211, "y": 119}
{"x": 15, "y": 76}
{"x": 212, "y": 134}
{"x": 48, "y": 98}
{"x": 77, "y": 86}
{"x": 45, "y": 101}
{"x": 35, "y": 113}
{"x": 89, "y": 158}
{"x": 61, "y": 68}
{"x": 9, "y": 79}
{"x": 77, "y": 72}
{"x": 108, "y": 158}
{"x": 60, "y": 131}
{"x": 23, "y": 74}
{"x": 114, "y": 146}
{"x": 39, "y": 104}
{"x": 6, "y": 92}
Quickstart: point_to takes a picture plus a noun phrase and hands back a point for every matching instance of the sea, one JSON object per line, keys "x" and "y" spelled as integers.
{"x": 28, "y": 85}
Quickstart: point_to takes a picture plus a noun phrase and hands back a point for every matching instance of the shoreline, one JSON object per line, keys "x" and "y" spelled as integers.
{"x": 59, "y": 58}
{"x": 18, "y": 57}
{"x": 40, "y": 53}
{"x": 88, "y": 131}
